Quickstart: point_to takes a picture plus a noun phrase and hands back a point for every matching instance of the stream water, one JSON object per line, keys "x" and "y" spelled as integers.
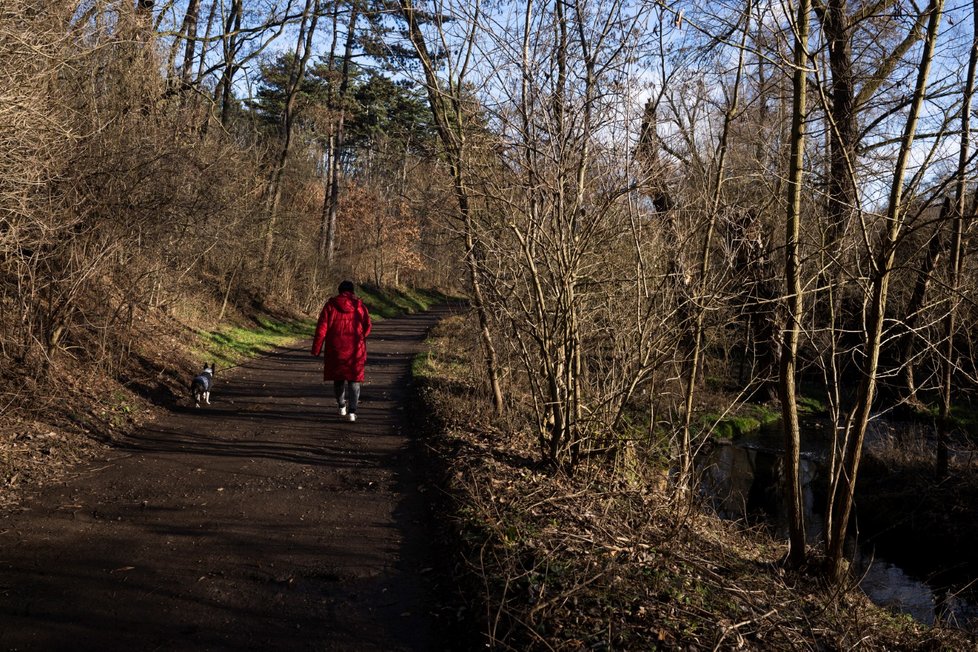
{"x": 742, "y": 480}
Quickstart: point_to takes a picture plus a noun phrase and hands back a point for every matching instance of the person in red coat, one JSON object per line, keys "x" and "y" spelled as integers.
{"x": 342, "y": 332}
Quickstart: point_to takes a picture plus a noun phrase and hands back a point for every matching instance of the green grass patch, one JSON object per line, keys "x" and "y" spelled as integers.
{"x": 747, "y": 421}
{"x": 422, "y": 366}
{"x": 765, "y": 414}
{"x": 231, "y": 345}
{"x": 963, "y": 417}
{"x": 384, "y": 303}
{"x": 441, "y": 359}
{"x": 812, "y": 406}
{"x": 732, "y": 426}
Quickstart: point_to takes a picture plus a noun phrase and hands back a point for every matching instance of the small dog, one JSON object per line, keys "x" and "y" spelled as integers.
{"x": 200, "y": 386}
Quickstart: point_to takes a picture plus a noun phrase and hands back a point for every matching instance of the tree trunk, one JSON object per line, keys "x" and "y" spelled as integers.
{"x": 793, "y": 286}
{"x": 839, "y": 20}
{"x": 843, "y": 484}
{"x": 842, "y": 204}
{"x": 303, "y": 50}
{"x": 843, "y": 131}
{"x": 327, "y": 226}
{"x": 944, "y": 422}
{"x": 337, "y": 139}
{"x": 190, "y": 33}
{"x": 229, "y": 40}
{"x": 201, "y": 63}
{"x": 454, "y": 147}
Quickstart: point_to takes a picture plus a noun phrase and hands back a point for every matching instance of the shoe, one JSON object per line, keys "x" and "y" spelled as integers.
{"x": 342, "y": 410}
{"x": 352, "y": 416}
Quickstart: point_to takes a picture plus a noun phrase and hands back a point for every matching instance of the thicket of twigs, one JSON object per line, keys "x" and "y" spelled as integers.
{"x": 124, "y": 214}
{"x": 121, "y": 203}
{"x": 600, "y": 561}
{"x": 674, "y": 201}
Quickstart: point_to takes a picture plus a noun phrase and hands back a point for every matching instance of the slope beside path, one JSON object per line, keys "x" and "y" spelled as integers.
{"x": 260, "y": 522}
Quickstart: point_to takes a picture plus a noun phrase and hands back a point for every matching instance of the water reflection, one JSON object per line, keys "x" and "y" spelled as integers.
{"x": 743, "y": 481}
{"x": 888, "y": 586}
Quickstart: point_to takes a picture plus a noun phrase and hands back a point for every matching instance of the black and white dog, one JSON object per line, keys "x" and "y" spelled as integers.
{"x": 200, "y": 386}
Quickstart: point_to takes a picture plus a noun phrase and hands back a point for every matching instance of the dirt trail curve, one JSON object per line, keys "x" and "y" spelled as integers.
{"x": 263, "y": 522}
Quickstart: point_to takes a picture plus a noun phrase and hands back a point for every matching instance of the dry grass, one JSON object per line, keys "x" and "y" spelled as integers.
{"x": 592, "y": 562}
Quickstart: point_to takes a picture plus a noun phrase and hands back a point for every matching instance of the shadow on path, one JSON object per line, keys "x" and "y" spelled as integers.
{"x": 262, "y": 521}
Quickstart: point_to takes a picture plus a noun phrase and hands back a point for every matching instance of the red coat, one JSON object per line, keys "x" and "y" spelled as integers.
{"x": 342, "y": 330}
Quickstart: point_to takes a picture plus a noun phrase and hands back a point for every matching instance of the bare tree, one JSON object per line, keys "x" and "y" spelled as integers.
{"x": 849, "y": 95}
{"x": 843, "y": 476}
{"x": 231, "y": 43}
{"x": 340, "y": 100}
{"x": 297, "y": 72}
{"x": 957, "y": 233}
{"x": 707, "y": 283}
{"x": 447, "y": 103}
{"x": 190, "y": 34}
{"x": 793, "y": 290}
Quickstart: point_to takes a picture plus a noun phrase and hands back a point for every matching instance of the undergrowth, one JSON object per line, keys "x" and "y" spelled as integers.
{"x": 591, "y": 562}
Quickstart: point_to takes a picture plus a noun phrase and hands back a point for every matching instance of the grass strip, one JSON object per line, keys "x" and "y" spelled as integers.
{"x": 384, "y": 303}
{"x": 231, "y": 344}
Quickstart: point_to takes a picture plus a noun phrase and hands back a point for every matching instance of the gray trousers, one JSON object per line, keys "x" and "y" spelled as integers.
{"x": 347, "y": 398}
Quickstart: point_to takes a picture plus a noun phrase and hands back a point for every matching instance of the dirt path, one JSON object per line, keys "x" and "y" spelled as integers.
{"x": 262, "y": 522}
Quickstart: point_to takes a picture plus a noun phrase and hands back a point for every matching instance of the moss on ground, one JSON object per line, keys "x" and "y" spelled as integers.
{"x": 747, "y": 421}
{"x": 811, "y": 406}
{"x": 963, "y": 417}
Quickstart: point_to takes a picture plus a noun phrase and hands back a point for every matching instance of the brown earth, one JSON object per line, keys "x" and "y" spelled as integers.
{"x": 260, "y": 522}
